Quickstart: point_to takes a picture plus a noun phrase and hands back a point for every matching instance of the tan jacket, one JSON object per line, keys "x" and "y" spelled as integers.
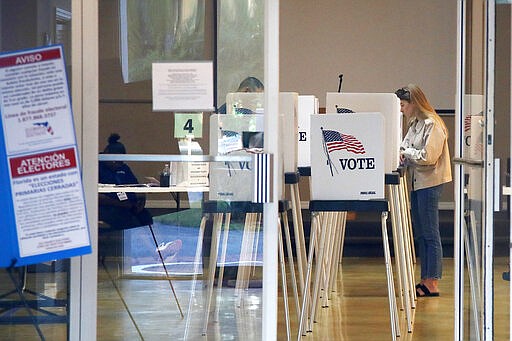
{"x": 425, "y": 149}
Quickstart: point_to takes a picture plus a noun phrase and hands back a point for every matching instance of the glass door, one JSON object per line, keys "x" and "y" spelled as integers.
{"x": 204, "y": 265}
{"x": 474, "y": 171}
{"x": 482, "y": 162}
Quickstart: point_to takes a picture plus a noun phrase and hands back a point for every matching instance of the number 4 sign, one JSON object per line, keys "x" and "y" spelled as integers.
{"x": 188, "y": 124}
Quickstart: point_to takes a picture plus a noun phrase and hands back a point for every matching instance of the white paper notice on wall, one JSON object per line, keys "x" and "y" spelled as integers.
{"x": 182, "y": 86}
{"x": 347, "y": 156}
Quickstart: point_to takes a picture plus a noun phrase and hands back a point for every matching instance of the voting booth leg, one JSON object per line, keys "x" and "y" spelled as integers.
{"x": 305, "y": 297}
{"x": 291, "y": 263}
{"x": 220, "y": 278}
{"x": 246, "y": 256}
{"x": 197, "y": 263}
{"x": 474, "y": 239}
{"x": 284, "y": 283}
{"x": 472, "y": 263}
{"x": 324, "y": 230}
{"x": 259, "y": 217}
{"x": 165, "y": 269}
{"x": 217, "y": 222}
{"x": 329, "y": 259}
{"x": 298, "y": 229}
{"x": 408, "y": 248}
{"x": 394, "y": 228}
{"x": 405, "y": 230}
{"x": 340, "y": 240}
{"x": 405, "y": 197}
{"x": 225, "y": 236}
{"x": 334, "y": 259}
{"x": 398, "y": 237}
{"x": 393, "y": 312}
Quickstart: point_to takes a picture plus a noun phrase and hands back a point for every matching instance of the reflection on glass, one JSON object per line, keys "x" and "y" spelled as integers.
{"x": 234, "y": 135}
{"x": 166, "y": 30}
{"x": 213, "y": 256}
{"x": 239, "y": 43}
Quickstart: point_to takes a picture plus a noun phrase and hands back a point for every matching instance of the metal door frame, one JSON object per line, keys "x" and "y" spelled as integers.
{"x": 487, "y": 316}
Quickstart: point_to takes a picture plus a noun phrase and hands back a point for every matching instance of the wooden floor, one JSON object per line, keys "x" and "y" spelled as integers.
{"x": 357, "y": 311}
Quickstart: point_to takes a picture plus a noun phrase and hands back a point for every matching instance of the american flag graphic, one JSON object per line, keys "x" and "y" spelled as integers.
{"x": 242, "y": 111}
{"x": 467, "y": 123}
{"x": 230, "y": 133}
{"x": 336, "y": 141}
{"x": 341, "y": 110}
{"x": 48, "y": 127}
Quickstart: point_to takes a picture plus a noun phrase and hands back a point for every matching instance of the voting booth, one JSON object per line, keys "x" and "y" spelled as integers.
{"x": 243, "y": 103}
{"x": 288, "y": 106}
{"x": 307, "y": 106}
{"x": 473, "y": 106}
{"x": 476, "y": 152}
{"x": 347, "y": 174}
{"x": 386, "y": 103}
{"x": 230, "y": 134}
{"x": 347, "y": 156}
{"x": 239, "y": 132}
{"x": 473, "y": 142}
{"x": 241, "y": 129}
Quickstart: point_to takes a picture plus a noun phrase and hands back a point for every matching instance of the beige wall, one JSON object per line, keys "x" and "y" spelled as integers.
{"x": 379, "y": 45}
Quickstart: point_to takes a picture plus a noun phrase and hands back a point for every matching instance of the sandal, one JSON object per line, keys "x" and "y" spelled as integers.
{"x": 425, "y": 292}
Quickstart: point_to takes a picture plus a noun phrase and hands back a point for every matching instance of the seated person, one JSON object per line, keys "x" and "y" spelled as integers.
{"x": 120, "y": 210}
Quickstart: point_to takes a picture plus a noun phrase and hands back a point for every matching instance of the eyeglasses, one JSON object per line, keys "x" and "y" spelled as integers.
{"x": 403, "y": 94}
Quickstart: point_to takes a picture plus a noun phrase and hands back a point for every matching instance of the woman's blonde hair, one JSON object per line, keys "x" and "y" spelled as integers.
{"x": 425, "y": 108}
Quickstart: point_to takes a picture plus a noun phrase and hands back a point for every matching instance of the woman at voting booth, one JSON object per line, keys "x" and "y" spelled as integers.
{"x": 424, "y": 151}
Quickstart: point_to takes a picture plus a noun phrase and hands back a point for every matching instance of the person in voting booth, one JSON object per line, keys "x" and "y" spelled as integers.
{"x": 424, "y": 151}
{"x": 120, "y": 210}
{"x": 249, "y": 84}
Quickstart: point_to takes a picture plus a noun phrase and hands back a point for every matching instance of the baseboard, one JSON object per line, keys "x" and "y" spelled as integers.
{"x": 444, "y": 205}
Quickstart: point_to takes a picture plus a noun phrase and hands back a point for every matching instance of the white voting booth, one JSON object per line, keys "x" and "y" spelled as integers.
{"x": 473, "y": 142}
{"x": 237, "y": 132}
{"x": 307, "y": 105}
{"x": 347, "y": 158}
{"x": 386, "y": 103}
{"x": 241, "y": 128}
{"x": 230, "y": 180}
{"x": 288, "y": 113}
{"x": 371, "y": 121}
{"x": 347, "y": 174}
{"x": 476, "y": 150}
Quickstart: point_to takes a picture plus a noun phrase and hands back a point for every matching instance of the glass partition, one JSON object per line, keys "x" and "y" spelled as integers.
{"x": 192, "y": 267}
{"x": 472, "y": 196}
{"x": 40, "y": 309}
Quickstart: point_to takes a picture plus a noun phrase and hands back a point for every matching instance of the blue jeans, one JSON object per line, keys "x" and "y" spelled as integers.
{"x": 425, "y": 218}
